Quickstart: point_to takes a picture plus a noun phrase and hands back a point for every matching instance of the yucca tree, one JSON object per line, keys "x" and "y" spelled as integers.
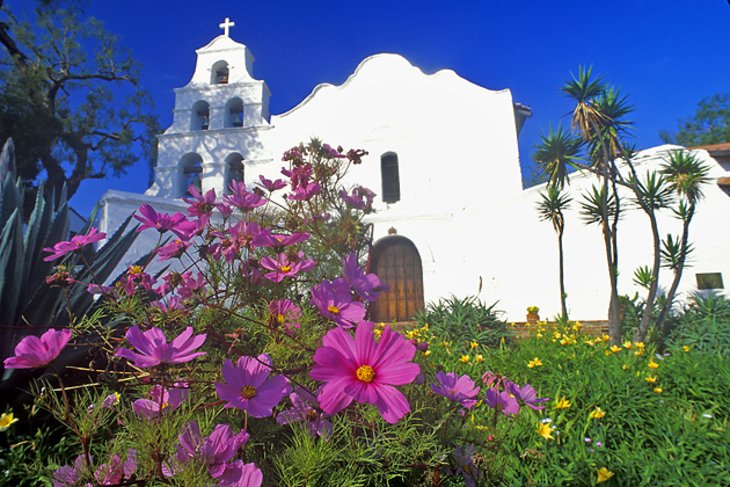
{"x": 598, "y": 116}
{"x": 686, "y": 175}
{"x": 651, "y": 193}
{"x": 551, "y": 207}
{"x": 557, "y": 153}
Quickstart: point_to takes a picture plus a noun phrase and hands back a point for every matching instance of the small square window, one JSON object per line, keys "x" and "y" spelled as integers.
{"x": 711, "y": 280}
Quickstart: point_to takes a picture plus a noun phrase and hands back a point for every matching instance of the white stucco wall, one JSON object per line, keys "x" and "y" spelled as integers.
{"x": 462, "y": 203}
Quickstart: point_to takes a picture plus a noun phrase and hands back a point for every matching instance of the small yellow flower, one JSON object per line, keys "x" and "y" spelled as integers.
{"x": 685, "y": 348}
{"x": 652, "y": 364}
{"x": 650, "y": 379}
{"x": 381, "y": 325}
{"x": 606, "y": 338}
{"x": 639, "y": 345}
{"x": 473, "y": 345}
{"x": 638, "y": 353}
{"x": 615, "y": 348}
{"x": 597, "y": 413}
{"x": 538, "y": 335}
{"x": 377, "y": 332}
{"x": 658, "y": 390}
{"x": 604, "y": 474}
{"x": 444, "y": 344}
{"x": 464, "y": 359}
{"x": 479, "y": 358}
{"x": 536, "y": 362}
{"x": 627, "y": 344}
{"x": 625, "y": 366}
{"x": 545, "y": 431}
{"x": 577, "y": 326}
{"x": 563, "y": 403}
{"x": 427, "y": 353}
{"x": 6, "y": 419}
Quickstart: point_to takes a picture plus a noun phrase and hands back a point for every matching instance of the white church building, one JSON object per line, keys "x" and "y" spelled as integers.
{"x": 451, "y": 214}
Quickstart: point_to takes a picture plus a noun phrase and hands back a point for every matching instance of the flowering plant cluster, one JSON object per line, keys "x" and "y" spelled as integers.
{"x": 247, "y": 324}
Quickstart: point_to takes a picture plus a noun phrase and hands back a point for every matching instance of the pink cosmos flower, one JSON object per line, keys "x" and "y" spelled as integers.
{"x": 32, "y": 352}
{"x": 137, "y": 277}
{"x": 364, "y": 286}
{"x": 160, "y": 400}
{"x": 502, "y": 401}
{"x": 172, "y": 250}
{"x": 359, "y": 198}
{"x": 241, "y": 198}
{"x": 284, "y": 313}
{"x": 305, "y": 192}
{"x": 200, "y": 205}
{"x": 270, "y": 185}
{"x": 155, "y": 350}
{"x": 111, "y": 473}
{"x": 76, "y": 242}
{"x": 248, "y": 386}
{"x": 161, "y": 222}
{"x": 305, "y": 408}
{"x": 215, "y": 450}
{"x": 359, "y": 369}
{"x": 527, "y": 395}
{"x": 280, "y": 267}
{"x": 239, "y": 474}
{"x": 456, "y": 388}
{"x": 267, "y": 239}
{"x": 334, "y": 302}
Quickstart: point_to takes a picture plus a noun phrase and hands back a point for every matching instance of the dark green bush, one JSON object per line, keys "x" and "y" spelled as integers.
{"x": 464, "y": 319}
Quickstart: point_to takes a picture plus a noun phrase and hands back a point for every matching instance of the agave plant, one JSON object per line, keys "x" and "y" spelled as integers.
{"x": 27, "y": 304}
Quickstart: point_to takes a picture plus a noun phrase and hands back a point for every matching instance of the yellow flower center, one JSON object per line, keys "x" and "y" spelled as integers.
{"x": 280, "y": 318}
{"x": 333, "y": 309}
{"x": 248, "y": 392}
{"x": 285, "y": 268}
{"x": 365, "y": 373}
{"x": 135, "y": 270}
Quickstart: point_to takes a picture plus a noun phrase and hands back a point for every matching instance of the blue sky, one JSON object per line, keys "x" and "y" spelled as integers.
{"x": 665, "y": 55}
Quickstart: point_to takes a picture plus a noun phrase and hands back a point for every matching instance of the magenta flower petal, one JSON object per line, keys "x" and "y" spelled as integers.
{"x": 359, "y": 369}
{"x": 155, "y": 349}
{"x": 248, "y": 386}
{"x": 32, "y": 352}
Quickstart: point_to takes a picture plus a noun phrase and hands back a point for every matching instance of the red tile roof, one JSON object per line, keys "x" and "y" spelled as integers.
{"x": 721, "y": 147}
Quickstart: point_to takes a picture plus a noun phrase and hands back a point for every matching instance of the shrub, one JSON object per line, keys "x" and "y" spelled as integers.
{"x": 464, "y": 319}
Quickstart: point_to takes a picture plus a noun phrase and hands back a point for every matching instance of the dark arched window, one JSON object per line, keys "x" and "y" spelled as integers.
{"x": 390, "y": 177}
{"x": 234, "y": 113}
{"x": 219, "y": 73}
{"x": 191, "y": 171}
{"x": 200, "y": 118}
{"x": 234, "y": 170}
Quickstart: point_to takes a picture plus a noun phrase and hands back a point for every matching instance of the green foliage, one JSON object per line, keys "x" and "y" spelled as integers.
{"x": 26, "y": 300}
{"x": 24, "y": 459}
{"x": 703, "y": 324}
{"x": 709, "y": 125}
{"x": 464, "y": 319}
{"x": 358, "y": 456}
{"x": 673, "y": 437}
{"x": 70, "y": 98}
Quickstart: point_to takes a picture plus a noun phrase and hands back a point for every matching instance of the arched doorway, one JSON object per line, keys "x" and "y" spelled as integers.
{"x": 397, "y": 263}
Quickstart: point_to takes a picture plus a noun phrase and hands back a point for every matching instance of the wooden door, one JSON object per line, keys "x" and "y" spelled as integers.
{"x": 396, "y": 262}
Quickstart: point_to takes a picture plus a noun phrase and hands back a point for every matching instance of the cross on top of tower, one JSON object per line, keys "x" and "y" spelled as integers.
{"x": 225, "y": 25}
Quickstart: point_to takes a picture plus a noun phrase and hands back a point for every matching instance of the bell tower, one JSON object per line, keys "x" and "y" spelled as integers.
{"x": 217, "y": 120}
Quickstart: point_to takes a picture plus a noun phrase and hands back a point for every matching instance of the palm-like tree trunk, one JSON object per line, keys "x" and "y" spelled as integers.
{"x": 563, "y": 307}
{"x": 661, "y": 319}
{"x": 641, "y": 331}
